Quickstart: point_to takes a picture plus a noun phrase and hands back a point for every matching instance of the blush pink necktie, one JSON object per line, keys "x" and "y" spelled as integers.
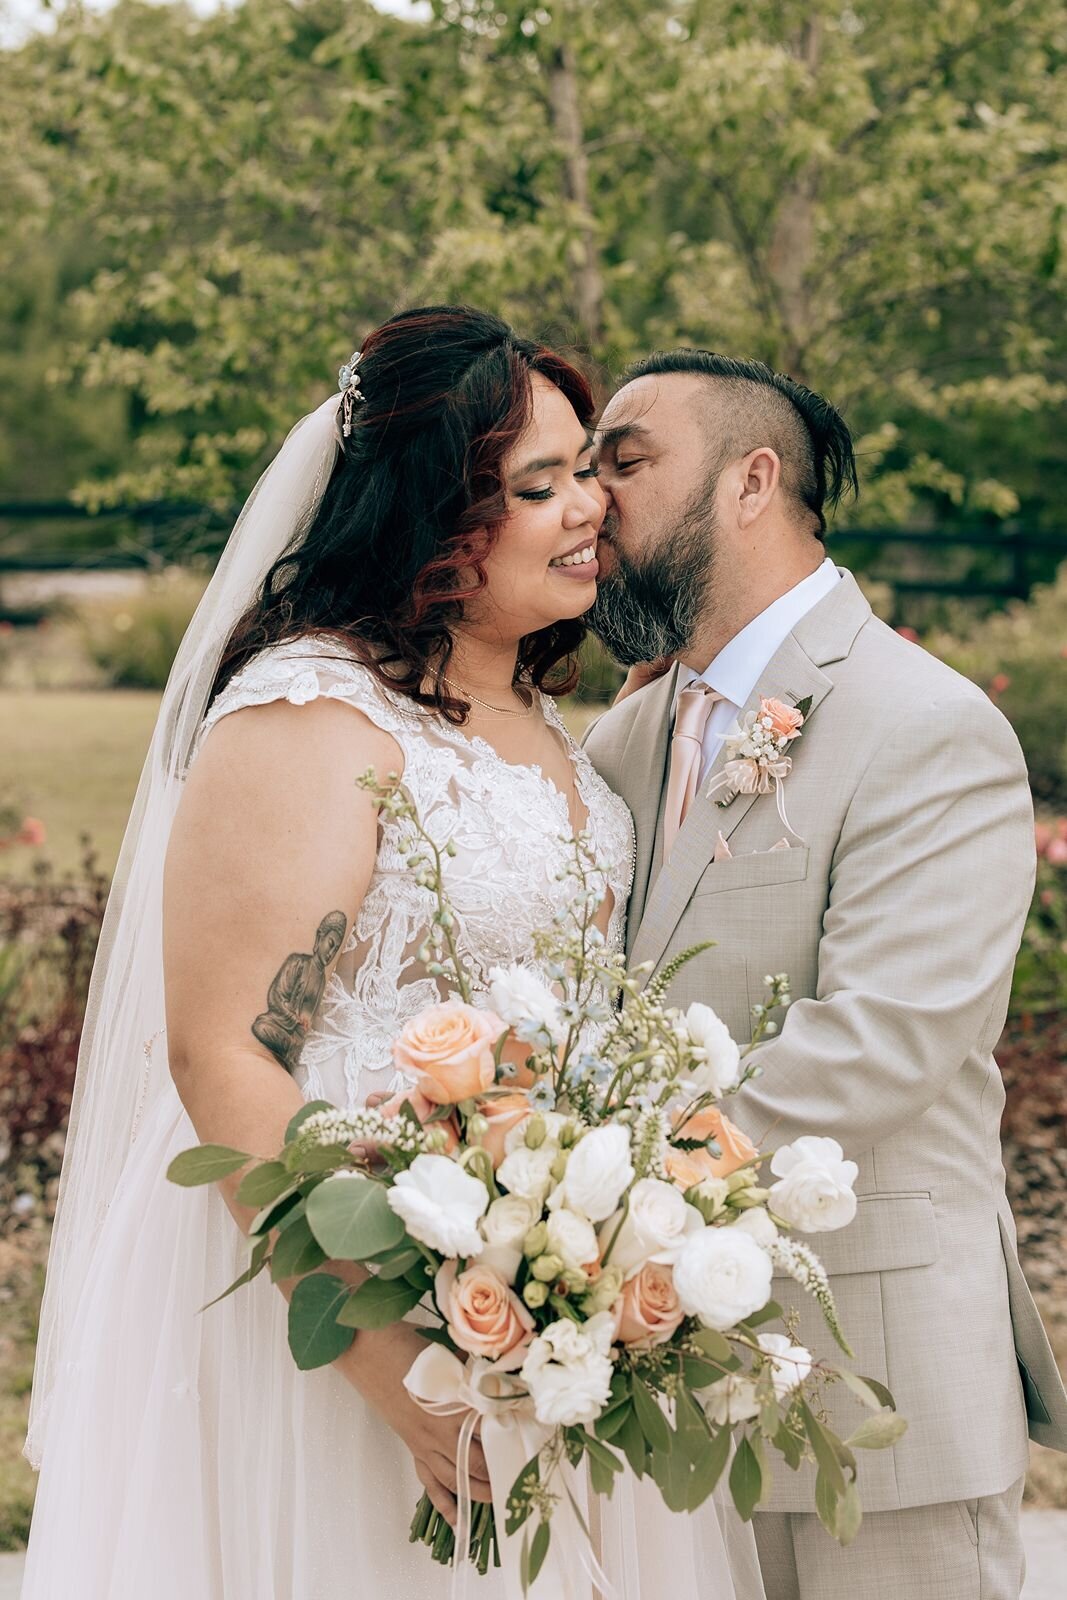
{"x": 690, "y": 719}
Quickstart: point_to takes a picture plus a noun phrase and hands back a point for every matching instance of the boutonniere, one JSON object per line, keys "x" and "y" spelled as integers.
{"x": 757, "y": 752}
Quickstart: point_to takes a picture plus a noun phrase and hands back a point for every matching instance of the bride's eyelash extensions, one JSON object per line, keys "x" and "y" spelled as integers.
{"x": 546, "y": 494}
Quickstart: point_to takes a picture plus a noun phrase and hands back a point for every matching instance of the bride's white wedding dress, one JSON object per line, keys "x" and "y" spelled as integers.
{"x": 186, "y": 1456}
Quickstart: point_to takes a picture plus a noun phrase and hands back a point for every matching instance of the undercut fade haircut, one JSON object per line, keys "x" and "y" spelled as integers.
{"x": 764, "y": 407}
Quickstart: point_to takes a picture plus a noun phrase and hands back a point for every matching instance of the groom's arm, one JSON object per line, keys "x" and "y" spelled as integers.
{"x": 929, "y": 891}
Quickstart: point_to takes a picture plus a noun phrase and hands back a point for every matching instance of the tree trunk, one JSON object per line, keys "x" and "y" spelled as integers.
{"x": 567, "y": 125}
{"x": 790, "y": 255}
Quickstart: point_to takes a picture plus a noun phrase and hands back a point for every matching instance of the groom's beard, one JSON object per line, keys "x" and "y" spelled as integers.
{"x": 647, "y": 610}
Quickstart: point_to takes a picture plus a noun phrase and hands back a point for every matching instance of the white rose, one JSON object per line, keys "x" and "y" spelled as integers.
{"x": 732, "y": 1399}
{"x": 814, "y": 1194}
{"x": 717, "y": 1058}
{"x": 526, "y": 1003}
{"x": 568, "y": 1370}
{"x": 759, "y": 1225}
{"x": 598, "y": 1171}
{"x": 722, "y": 1276}
{"x": 656, "y": 1225}
{"x": 504, "y": 1227}
{"x": 440, "y": 1205}
{"x": 528, "y": 1173}
{"x": 790, "y": 1363}
{"x": 571, "y": 1238}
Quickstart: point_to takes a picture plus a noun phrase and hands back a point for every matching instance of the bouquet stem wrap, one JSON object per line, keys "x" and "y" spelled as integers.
{"x": 510, "y": 1436}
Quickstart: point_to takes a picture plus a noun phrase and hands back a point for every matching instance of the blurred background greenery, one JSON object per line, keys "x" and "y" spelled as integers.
{"x": 205, "y": 211}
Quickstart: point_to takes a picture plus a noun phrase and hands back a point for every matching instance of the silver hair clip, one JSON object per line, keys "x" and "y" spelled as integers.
{"x": 348, "y": 383}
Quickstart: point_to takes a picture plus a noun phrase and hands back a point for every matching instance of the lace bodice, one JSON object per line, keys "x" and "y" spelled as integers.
{"x": 510, "y": 827}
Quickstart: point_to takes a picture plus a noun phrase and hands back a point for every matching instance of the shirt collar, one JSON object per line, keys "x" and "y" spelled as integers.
{"x": 736, "y": 669}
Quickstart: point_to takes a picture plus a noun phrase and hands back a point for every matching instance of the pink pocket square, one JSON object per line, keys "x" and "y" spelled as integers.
{"x": 724, "y": 853}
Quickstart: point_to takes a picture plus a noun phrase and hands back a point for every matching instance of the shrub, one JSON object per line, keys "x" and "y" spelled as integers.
{"x": 134, "y": 641}
{"x": 49, "y": 928}
{"x": 1019, "y": 656}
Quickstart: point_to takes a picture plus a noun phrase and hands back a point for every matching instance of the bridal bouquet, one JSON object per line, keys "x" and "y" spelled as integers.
{"x": 582, "y": 1236}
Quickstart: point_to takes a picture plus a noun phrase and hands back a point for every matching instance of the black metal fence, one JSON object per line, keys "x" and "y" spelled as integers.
{"x": 995, "y": 563}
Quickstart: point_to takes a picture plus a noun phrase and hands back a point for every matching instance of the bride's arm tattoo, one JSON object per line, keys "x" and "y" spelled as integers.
{"x": 295, "y": 993}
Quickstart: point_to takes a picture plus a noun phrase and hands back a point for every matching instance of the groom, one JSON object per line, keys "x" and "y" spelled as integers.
{"x": 890, "y": 878}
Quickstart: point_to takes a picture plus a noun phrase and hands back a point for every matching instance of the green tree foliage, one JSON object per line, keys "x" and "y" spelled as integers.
{"x": 210, "y": 210}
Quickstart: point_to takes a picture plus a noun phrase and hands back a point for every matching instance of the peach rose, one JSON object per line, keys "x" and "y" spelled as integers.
{"x": 688, "y": 1167}
{"x": 448, "y": 1049}
{"x": 484, "y": 1316}
{"x": 514, "y": 1055}
{"x": 784, "y": 719}
{"x": 649, "y": 1309}
{"x": 424, "y": 1109}
{"x": 503, "y": 1112}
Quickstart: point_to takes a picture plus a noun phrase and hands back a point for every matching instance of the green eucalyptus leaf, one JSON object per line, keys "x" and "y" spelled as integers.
{"x": 746, "y": 1480}
{"x": 272, "y": 1214}
{"x": 518, "y": 1506}
{"x": 631, "y": 1440}
{"x": 315, "y": 1338}
{"x": 653, "y": 1422}
{"x": 296, "y": 1251}
{"x": 255, "y": 1266}
{"x": 877, "y": 1433}
{"x": 351, "y": 1219}
{"x": 206, "y": 1163}
{"x": 264, "y": 1184}
{"x": 849, "y": 1515}
{"x": 708, "y": 1469}
{"x": 825, "y": 1453}
{"x": 377, "y": 1303}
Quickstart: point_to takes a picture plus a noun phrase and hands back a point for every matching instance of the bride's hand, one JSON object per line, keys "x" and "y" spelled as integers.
{"x": 643, "y": 673}
{"x": 376, "y": 1364}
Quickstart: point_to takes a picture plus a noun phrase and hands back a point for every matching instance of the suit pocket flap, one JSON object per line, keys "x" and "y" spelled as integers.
{"x": 890, "y": 1231}
{"x": 754, "y": 870}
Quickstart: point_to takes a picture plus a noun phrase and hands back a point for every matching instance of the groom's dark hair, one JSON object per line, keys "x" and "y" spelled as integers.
{"x": 764, "y": 407}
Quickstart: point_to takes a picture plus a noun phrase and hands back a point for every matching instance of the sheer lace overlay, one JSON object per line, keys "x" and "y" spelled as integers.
{"x": 511, "y": 830}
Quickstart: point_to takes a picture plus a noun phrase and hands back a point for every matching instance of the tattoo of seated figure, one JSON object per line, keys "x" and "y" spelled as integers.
{"x": 294, "y": 995}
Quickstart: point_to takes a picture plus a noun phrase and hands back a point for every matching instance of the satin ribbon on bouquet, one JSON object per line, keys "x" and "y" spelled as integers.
{"x": 510, "y": 1436}
{"x": 745, "y": 776}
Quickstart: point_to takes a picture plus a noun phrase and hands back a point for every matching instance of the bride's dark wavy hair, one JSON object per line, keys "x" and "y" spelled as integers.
{"x": 414, "y": 504}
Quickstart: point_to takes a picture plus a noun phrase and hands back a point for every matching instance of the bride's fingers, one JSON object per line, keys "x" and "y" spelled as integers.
{"x": 444, "y": 1470}
{"x": 440, "y": 1498}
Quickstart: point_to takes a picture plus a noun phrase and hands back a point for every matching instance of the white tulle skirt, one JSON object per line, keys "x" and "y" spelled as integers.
{"x": 187, "y": 1458}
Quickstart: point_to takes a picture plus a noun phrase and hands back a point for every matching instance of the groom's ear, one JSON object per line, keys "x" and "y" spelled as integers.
{"x": 759, "y": 475}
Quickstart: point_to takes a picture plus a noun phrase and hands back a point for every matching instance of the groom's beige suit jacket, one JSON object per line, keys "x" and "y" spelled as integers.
{"x": 898, "y": 920}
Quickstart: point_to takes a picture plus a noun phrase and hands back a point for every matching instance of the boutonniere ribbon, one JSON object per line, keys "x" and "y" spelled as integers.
{"x": 757, "y": 753}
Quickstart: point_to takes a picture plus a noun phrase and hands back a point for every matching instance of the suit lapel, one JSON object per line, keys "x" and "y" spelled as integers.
{"x": 645, "y": 756}
{"x": 826, "y": 634}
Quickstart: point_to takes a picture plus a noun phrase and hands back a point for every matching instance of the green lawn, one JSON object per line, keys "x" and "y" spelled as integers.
{"x": 72, "y": 758}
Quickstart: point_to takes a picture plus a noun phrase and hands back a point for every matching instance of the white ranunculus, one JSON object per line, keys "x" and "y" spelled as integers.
{"x": 722, "y": 1276}
{"x": 568, "y": 1370}
{"x": 504, "y": 1227}
{"x": 526, "y": 1003}
{"x": 758, "y": 1225}
{"x": 599, "y": 1170}
{"x": 554, "y": 1121}
{"x": 717, "y": 1058}
{"x": 656, "y": 1225}
{"x": 732, "y": 1399}
{"x": 790, "y": 1363}
{"x": 571, "y": 1238}
{"x": 814, "y": 1193}
{"x": 528, "y": 1172}
{"x": 440, "y": 1204}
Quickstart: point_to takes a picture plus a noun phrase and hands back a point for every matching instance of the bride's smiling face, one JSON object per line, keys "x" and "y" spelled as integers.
{"x": 542, "y": 567}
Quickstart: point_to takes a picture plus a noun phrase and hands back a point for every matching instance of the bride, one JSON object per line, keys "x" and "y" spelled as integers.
{"x": 402, "y": 592}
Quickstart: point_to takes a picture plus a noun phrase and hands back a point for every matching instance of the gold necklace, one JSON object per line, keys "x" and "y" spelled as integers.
{"x": 501, "y": 711}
